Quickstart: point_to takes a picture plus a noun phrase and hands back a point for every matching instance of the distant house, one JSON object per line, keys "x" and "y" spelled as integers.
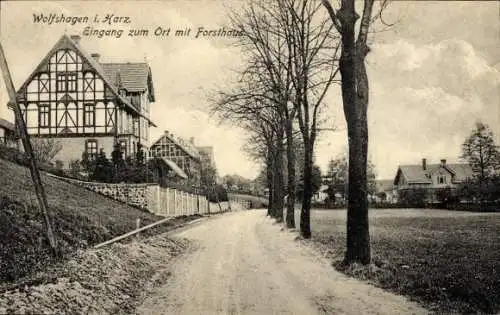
{"x": 385, "y": 191}
{"x": 180, "y": 154}
{"x": 85, "y": 104}
{"x": 8, "y": 135}
{"x": 431, "y": 178}
{"x": 321, "y": 195}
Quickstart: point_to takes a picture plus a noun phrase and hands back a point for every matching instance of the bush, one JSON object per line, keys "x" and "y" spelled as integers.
{"x": 414, "y": 198}
{"x": 219, "y": 192}
{"x": 20, "y": 158}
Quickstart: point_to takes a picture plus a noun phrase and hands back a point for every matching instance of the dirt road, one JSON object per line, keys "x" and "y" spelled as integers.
{"x": 242, "y": 263}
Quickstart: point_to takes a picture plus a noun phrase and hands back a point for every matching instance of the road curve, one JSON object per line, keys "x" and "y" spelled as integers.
{"x": 242, "y": 263}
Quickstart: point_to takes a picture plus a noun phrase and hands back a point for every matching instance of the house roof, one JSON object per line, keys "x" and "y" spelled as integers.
{"x": 66, "y": 42}
{"x": 415, "y": 174}
{"x": 384, "y": 185}
{"x": 133, "y": 77}
{"x": 185, "y": 146}
{"x": 7, "y": 125}
{"x": 174, "y": 167}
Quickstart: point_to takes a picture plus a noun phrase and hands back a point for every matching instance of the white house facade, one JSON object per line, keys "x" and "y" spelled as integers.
{"x": 87, "y": 105}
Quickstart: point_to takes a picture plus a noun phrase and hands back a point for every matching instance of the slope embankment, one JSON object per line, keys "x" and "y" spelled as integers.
{"x": 80, "y": 219}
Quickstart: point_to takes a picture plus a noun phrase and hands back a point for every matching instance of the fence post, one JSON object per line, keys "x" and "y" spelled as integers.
{"x": 198, "y": 203}
{"x": 167, "y": 200}
{"x": 137, "y": 226}
{"x": 175, "y": 202}
{"x": 183, "y": 200}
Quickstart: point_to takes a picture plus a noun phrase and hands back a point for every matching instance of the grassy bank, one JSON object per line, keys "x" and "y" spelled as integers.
{"x": 80, "y": 219}
{"x": 448, "y": 260}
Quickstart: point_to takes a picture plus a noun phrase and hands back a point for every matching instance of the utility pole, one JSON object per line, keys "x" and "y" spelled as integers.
{"x": 21, "y": 127}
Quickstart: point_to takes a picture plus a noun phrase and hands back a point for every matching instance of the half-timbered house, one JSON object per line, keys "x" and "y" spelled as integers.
{"x": 87, "y": 105}
{"x": 178, "y": 152}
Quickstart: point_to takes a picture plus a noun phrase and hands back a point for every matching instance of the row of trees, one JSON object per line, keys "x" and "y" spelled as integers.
{"x": 294, "y": 51}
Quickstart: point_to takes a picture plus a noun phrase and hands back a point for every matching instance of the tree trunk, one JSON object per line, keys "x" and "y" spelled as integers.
{"x": 305, "y": 215}
{"x": 279, "y": 179}
{"x": 355, "y": 100}
{"x": 290, "y": 154}
{"x": 270, "y": 182}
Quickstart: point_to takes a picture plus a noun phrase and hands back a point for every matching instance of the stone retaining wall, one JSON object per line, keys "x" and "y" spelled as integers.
{"x": 158, "y": 200}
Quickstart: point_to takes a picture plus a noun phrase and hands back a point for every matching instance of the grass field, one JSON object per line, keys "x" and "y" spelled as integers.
{"x": 448, "y": 260}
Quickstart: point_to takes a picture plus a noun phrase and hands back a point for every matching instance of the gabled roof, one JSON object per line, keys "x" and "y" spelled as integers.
{"x": 133, "y": 77}
{"x": 415, "y": 174}
{"x": 174, "y": 167}
{"x": 7, "y": 125}
{"x": 384, "y": 185}
{"x": 66, "y": 42}
{"x": 462, "y": 171}
{"x": 184, "y": 145}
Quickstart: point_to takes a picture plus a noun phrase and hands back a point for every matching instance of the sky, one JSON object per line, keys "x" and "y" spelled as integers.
{"x": 433, "y": 74}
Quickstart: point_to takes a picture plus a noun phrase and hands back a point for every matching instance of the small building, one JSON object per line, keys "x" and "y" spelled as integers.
{"x": 321, "y": 195}
{"x": 85, "y": 104}
{"x": 385, "y": 191}
{"x": 8, "y": 134}
{"x": 430, "y": 179}
{"x": 180, "y": 152}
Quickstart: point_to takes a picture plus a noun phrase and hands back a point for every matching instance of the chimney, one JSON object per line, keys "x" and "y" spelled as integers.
{"x": 167, "y": 133}
{"x": 76, "y": 39}
{"x": 443, "y": 162}
{"x": 424, "y": 164}
{"x": 96, "y": 56}
{"x": 191, "y": 140}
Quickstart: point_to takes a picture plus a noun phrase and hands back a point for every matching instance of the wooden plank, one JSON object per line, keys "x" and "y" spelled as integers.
{"x": 118, "y": 238}
{"x": 131, "y": 233}
{"x": 21, "y": 127}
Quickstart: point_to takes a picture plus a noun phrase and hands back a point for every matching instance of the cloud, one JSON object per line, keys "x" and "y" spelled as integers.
{"x": 454, "y": 65}
{"x": 425, "y": 100}
{"x": 428, "y": 84}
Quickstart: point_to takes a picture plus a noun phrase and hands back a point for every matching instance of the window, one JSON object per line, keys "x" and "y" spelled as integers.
{"x": 89, "y": 115}
{"x": 61, "y": 82}
{"x": 91, "y": 149}
{"x": 441, "y": 179}
{"x": 66, "y": 82}
{"x": 44, "y": 115}
{"x": 71, "y": 77}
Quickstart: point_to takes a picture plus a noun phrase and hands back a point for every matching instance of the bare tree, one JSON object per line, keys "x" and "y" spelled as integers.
{"x": 314, "y": 68}
{"x": 46, "y": 149}
{"x": 250, "y": 106}
{"x": 289, "y": 47}
{"x": 355, "y": 90}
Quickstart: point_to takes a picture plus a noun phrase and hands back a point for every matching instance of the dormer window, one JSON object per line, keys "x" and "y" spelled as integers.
{"x": 66, "y": 82}
{"x": 441, "y": 179}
